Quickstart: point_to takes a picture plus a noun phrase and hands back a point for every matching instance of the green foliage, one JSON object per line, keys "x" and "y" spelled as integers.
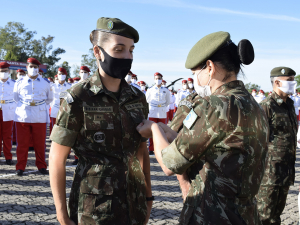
{"x": 18, "y": 44}
{"x": 297, "y": 78}
{"x": 88, "y": 60}
{"x": 250, "y": 87}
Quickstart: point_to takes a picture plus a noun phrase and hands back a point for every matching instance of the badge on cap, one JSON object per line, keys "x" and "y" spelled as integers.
{"x": 99, "y": 137}
{"x": 110, "y": 25}
{"x": 283, "y": 71}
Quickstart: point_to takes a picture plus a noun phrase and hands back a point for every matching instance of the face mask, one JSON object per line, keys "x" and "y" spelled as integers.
{"x": 128, "y": 78}
{"x": 184, "y": 87}
{"x": 143, "y": 88}
{"x": 114, "y": 67}
{"x": 4, "y": 75}
{"x": 56, "y": 81}
{"x": 201, "y": 90}
{"x": 84, "y": 76}
{"x": 33, "y": 71}
{"x": 133, "y": 81}
{"x": 191, "y": 86}
{"x": 253, "y": 94}
{"x": 61, "y": 77}
{"x": 158, "y": 82}
{"x": 288, "y": 87}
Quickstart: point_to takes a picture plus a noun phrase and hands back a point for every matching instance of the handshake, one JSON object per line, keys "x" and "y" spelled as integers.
{"x": 145, "y": 129}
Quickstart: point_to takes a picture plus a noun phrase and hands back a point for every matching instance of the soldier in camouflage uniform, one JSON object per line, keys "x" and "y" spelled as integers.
{"x": 280, "y": 165}
{"x": 98, "y": 120}
{"x": 225, "y": 131}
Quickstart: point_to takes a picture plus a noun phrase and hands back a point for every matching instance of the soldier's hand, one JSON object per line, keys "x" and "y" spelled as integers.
{"x": 171, "y": 134}
{"x": 144, "y": 128}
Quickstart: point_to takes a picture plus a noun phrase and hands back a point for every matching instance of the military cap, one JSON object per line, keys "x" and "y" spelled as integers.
{"x": 70, "y": 79}
{"x": 50, "y": 79}
{"x": 133, "y": 75}
{"x": 20, "y": 71}
{"x": 164, "y": 81}
{"x": 63, "y": 70}
{"x": 184, "y": 81}
{"x": 118, "y": 27}
{"x": 76, "y": 78}
{"x": 85, "y": 68}
{"x": 190, "y": 79}
{"x": 55, "y": 75}
{"x": 4, "y": 65}
{"x": 282, "y": 72}
{"x": 142, "y": 82}
{"x": 158, "y": 74}
{"x": 40, "y": 70}
{"x": 33, "y": 61}
{"x": 206, "y": 47}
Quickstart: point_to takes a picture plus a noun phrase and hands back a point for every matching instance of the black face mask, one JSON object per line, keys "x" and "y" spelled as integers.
{"x": 114, "y": 67}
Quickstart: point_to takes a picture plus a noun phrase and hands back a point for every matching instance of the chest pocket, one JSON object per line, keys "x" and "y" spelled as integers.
{"x": 282, "y": 122}
{"x": 99, "y": 125}
{"x": 136, "y": 112}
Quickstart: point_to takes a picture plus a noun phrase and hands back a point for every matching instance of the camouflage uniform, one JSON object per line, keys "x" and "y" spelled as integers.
{"x": 280, "y": 165}
{"x": 228, "y": 131}
{"x": 109, "y": 184}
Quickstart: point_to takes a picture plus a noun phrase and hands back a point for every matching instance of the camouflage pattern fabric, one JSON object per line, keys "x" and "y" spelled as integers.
{"x": 230, "y": 131}
{"x": 272, "y": 203}
{"x": 280, "y": 165}
{"x": 109, "y": 184}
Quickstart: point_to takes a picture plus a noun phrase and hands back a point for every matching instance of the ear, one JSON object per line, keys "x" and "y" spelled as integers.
{"x": 98, "y": 54}
{"x": 277, "y": 83}
{"x": 211, "y": 68}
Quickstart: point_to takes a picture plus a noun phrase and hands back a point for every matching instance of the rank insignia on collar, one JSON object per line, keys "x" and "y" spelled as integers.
{"x": 279, "y": 100}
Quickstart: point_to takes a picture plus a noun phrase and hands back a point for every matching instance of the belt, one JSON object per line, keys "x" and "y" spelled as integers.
{"x": 6, "y": 101}
{"x": 158, "y": 105}
{"x": 33, "y": 103}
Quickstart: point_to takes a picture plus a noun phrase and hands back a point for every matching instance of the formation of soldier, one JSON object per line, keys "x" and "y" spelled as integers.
{"x": 234, "y": 158}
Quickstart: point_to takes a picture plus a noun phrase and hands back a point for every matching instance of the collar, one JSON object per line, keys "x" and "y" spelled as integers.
{"x": 62, "y": 85}
{"x": 96, "y": 87}
{"x": 6, "y": 82}
{"x": 279, "y": 100}
{"x": 29, "y": 79}
{"x": 236, "y": 84}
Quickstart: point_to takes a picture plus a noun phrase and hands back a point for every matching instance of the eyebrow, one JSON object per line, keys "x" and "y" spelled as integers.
{"x": 124, "y": 45}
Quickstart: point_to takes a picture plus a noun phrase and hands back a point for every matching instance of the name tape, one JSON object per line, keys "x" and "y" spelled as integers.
{"x": 138, "y": 105}
{"x": 97, "y": 109}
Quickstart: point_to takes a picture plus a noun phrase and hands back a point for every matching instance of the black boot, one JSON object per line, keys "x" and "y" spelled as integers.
{"x": 19, "y": 172}
{"x": 9, "y": 162}
{"x": 44, "y": 171}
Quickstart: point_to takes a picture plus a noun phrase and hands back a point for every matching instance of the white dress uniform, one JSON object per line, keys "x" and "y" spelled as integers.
{"x": 32, "y": 97}
{"x": 55, "y": 104}
{"x": 296, "y": 100}
{"x": 172, "y": 102}
{"x": 181, "y": 95}
{"x": 260, "y": 97}
{"x": 7, "y": 103}
{"x": 158, "y": 99}
{"x": 135, "y": 85}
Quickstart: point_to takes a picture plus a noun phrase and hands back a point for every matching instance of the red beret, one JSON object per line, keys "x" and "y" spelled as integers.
{"x": 158, "y": 74}
{"x": 33, "y": 61}
{"x": 254, "y": 90}
{"x": 184, "y": 81}
{"x": 70, "y": 79}
{"x": 85, "y": 68}
{"x": 20, "y": 71}
{"x": 164, "y": 81}
{"x": 190, "y": 79}
{"x": 4, "y": 65}
{"x": 129, "y": 72}
{"x": 50, "y": 78}
{"x": 63, "y": 70}
{"x": 76, "y": 78}
{"x": 133, "y": 75}
{"x": 55, "y": 75}
{"x": 142, "y": 82}
{"x": 41, "y": 71}
{"x": 261, "y": 91}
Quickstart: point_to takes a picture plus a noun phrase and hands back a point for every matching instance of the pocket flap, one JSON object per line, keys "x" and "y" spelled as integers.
{"x": 96, "y": 185}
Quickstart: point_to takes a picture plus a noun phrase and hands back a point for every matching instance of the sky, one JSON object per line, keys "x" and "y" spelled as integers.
{"x": 168, "y": 29}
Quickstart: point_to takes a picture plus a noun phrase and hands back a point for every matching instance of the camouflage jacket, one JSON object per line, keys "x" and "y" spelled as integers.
{"x": 109, "y": 184}
{"x": 229, "y": 131}
{"x": 280, "y": 167}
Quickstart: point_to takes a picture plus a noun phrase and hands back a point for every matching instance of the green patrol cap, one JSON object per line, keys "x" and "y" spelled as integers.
{"x": 282, "y": 71}
{"x": 118, "y": 27}
{"x": 206, "y": 47}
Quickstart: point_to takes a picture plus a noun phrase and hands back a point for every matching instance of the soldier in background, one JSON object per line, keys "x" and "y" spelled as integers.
{"x": 225, "y": 130}
{"x": 50, "y": 80}
{"x": 7, "y": 111}
{"x": 190, "y": 83}
{"x": 158, "y": 99}
{"x": 261, "y": 96}
{"x": 182, "y": 93}
{"x": 20, "y": 73}
{"x": 84, "y": 73}
{"x": 98, "y": 119}
{"x": 41, "y": 72}
{"x": 143, "y": 86}
{"x": 280, "y": 167}
{"x": 171, "y": 106}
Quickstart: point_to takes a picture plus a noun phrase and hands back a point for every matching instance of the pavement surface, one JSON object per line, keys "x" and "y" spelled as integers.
{"x": 28, "y": 199}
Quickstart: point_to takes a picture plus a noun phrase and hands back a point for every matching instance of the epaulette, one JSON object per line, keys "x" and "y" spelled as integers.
{"x": 67, "y": 96}
{"x": 47, "y": 80}
{"x": 13, "y": 80}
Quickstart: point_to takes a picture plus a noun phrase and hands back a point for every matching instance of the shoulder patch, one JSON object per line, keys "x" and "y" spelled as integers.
{"x": 190, "y": 119}
{"x": 185, "y": 103}
{"x": 13, "y": 80}
{"x": 67, "y": 96}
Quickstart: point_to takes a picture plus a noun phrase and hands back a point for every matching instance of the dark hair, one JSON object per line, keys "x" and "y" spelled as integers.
{"x": 231, "y": 57}
{"x": 99, "y": 37}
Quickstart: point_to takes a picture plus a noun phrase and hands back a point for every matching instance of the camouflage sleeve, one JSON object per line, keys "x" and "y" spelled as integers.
{"x": 145, "y": 112}
{"x": 267, "y": 110}
{"x": 201, "y": 130}
{"x": 68, "y": 123}
{"x": 180, "y": 115}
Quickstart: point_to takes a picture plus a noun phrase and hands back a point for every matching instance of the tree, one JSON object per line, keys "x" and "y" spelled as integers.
{"x": 250, "y": 87}
{"x": 18, "y": 44}
{"x": 297, "y": 78}
{"x": 88, "y": 60}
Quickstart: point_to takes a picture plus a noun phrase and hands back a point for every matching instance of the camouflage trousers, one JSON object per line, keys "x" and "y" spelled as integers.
{"x": 271, "y": 202}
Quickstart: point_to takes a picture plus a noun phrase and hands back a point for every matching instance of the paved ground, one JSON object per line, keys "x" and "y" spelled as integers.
{"x": 28, "y": 199}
